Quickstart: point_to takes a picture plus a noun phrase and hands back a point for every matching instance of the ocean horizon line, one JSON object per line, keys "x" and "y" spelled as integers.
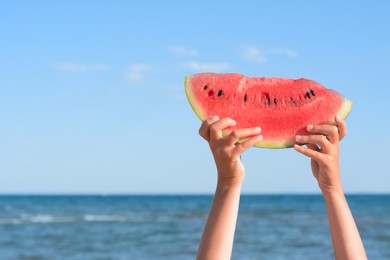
{"x": 97, "y": 194}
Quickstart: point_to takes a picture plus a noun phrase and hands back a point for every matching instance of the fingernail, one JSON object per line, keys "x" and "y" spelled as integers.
{"x": 259, "y": 138}
{"x": 309, "y": 127}
{"x": 297, "y": 147}
{"x": 215, "y": 117}
{"x": 298, "y": 137}
{"x": 338, "y": 118}
{"x": 258, "y": 129}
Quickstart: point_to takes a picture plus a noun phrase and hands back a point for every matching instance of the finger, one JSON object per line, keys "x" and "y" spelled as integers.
{"x": 330, "y": 131}
{"x": 342, "y": 126}
{"x": 314, "y": 147}
{"x": 248, "y": 143}
{"x": 204, "y": 130}
{"x": 313, "y": 140}
{"x": 236, "y": 135}
{"x": 217, "y": 127}
{"x": 317, "y": 156}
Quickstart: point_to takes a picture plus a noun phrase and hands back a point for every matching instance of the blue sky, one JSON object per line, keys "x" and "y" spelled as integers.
{"x": 92, "y": 97}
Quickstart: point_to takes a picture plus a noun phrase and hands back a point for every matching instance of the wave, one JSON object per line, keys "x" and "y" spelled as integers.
{"x": 49, "y": 219}
{"x": 105, "y": 218}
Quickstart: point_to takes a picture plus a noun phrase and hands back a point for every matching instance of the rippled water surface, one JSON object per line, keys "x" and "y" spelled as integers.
{"x": 169, "y": 227}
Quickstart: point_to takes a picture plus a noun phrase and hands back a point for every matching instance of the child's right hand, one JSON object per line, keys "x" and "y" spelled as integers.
{"x": 225, "y": 149}
{"x": 323, "y": 147}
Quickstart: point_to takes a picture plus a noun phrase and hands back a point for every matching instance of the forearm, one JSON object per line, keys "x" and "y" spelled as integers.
{"x": 218, "y": 235}
{"x": 346, "y": 240}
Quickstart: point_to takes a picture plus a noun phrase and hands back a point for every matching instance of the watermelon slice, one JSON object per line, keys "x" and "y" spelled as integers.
{"x": 281, "y": 107}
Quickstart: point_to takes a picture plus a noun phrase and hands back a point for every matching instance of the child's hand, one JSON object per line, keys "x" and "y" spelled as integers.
{"x": 226, "y": 151}
{"x": 323, "y": 147}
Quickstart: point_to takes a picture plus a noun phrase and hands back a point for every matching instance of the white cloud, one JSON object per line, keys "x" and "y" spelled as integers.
{"x": 251, "y": 53}
{"x": 209, "y": 67}
{"x": 79, "y": 68}
{"x": 178, "y": 96}
{"x": 183, "y": 51}
{"x": 174, "y": 87}
{"x": 135, "y": 72}
{"x": 285, "y": 52}
{"x": 176, "y": 92}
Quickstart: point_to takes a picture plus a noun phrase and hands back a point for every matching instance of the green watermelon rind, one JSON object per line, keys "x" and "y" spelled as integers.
{"x": 343, "y": 113}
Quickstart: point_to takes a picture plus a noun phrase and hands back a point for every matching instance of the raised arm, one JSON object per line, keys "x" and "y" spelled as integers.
{"x": 218, "y": 235}
{"x": 323, "y": 146}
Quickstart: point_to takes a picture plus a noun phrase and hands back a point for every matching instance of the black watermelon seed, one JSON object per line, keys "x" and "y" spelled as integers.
{"x": 265, "y": 96}
{"x": 245, "y": 98}
{"x": 206, "y": 87}
{"x": 220, "y": 93}
{"x": 308, "y": 95}
{"x": 294, "y": 103}
{"x": 312, "y": 93}
{"x": 275, "y": 101}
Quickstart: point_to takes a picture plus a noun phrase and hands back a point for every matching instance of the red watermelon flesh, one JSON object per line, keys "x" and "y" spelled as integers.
{"x": 281, "y": 107}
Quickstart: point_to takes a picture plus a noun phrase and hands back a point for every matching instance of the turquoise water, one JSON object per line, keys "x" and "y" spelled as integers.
{"x": 170, "y": 227}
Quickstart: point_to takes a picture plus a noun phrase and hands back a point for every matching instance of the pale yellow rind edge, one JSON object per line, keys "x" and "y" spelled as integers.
{"x": 194, "y": 105}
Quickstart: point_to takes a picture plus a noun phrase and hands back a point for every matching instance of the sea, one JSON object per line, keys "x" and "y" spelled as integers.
{"x": 170, "y": 226}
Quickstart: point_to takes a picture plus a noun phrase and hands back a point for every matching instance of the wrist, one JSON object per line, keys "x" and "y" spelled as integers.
{"x": 229, "y": 182}
{"x": 332, "y": 192}
{"x": 231, "y": 176}
{"x": 331, "y": 187}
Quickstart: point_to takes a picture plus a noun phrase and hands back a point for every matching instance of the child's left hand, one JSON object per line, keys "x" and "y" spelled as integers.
{"x": 226, "y": 150}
